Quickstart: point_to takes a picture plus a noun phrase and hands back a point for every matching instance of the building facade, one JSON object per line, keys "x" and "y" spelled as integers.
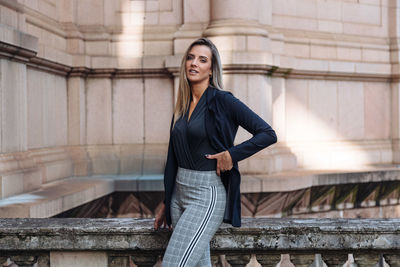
{"x": 88, "y": 86}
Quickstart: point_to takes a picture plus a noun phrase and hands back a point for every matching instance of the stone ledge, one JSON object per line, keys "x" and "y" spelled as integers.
{"x": 300, "y": 179}
{"x": 16, "y": 43}
{"x": 316, "y": 235}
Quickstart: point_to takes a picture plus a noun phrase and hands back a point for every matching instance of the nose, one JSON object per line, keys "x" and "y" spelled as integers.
{"x": 194, "y": 62}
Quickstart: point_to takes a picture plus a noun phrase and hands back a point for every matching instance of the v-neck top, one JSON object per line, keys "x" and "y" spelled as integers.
{"x": 190, "y": 140}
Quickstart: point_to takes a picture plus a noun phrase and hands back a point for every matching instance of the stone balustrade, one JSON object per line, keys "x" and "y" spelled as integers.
{"x": 119, "y": 242}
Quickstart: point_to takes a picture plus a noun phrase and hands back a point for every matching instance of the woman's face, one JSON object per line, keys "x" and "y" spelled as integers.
{"x": 198, "y": 64}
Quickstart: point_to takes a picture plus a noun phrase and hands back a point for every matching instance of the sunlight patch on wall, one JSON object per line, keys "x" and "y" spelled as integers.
{"x": 328, "y": 123}
{"x": 129, "y": 43}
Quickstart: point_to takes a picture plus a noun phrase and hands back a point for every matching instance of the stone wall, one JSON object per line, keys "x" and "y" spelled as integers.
{"x": 81, "y": 79}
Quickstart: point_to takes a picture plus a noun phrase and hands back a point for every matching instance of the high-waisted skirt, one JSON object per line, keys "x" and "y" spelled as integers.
{"x": 197, "y": 210}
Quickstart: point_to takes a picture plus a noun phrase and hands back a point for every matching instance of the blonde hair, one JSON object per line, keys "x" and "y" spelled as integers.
{"x": 184, "y": 91}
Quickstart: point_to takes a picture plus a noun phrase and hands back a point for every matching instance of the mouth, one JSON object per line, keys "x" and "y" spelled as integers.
{"x": 192, "y": 71}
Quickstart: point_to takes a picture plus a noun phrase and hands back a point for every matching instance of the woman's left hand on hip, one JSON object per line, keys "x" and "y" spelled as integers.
{"x": 224, "y": 161}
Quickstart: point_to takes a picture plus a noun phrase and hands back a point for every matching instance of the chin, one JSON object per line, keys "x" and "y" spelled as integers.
{"x": 194, "y": 81}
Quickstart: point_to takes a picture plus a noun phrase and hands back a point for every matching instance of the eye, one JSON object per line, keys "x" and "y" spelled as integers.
{"x": 203, "y": 60}
{"x": 189, "y": 57}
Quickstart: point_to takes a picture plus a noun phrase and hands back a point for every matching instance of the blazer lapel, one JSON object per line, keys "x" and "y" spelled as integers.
{"x": 210, "y": 119}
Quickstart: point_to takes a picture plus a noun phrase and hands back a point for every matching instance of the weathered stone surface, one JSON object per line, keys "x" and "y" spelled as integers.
{"x": 366, "y": 260}
{"x": 43, "y": 260}
{"x": 334, "y": 260}
{"x": 268, "y": 260}
{"x": 118, "y": 261}
{"x": 302, "y": 260}
{"x": 24, "y": 260}
{"x": 299, "y": 235}
{"x": 145, "y": 260}
{"x": 238, "y": 260}
{"x": 79, "y": 258}
{"x": 393, "y": 260}
{"x": 2, "y": 260}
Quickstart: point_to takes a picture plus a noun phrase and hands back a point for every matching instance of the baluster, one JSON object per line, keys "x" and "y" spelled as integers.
{"x": 118, "y": 261}
{"x": 366, "y": 260}
{"x": 222, "y": 261}
{"x": 145, "y": 260}
{"x": 237, "y": 260}
{"x": 214, "y": 260}
{"x": 302, "y": 260}
{"x": 3, "y": 260}
{"x": 43, "y": 261}
{"x": 24, "y": 260}
{"x": 393, "y": 260}
{"x": 268, "y": 260}
{"x": 335, "y": 260}
{"x": 285, "y": 261}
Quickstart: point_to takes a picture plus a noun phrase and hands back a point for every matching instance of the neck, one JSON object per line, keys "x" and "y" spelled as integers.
{"x": 198, "y": 90}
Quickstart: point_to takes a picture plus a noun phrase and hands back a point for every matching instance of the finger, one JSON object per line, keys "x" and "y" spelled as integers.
{"x": 208, "y": 156}
{"x": 214, "y": 156}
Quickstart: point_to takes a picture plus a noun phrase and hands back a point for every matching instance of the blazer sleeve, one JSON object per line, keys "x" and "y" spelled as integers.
{"x": 263, "y": 134}
{"x": 171, "y": 165}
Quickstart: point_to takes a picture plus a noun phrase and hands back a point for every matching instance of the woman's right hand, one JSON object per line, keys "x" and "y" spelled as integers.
{"x": 160, "y": 219}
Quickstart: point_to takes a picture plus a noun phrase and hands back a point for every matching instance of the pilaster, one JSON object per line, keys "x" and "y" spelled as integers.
{"x": 394, "y": 33}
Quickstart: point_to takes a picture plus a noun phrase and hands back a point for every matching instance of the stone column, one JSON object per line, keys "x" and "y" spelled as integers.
{"x": 396, "y": 121}
{"x": 76, "y": 87}
{"x": 99, "y": 110}
{"x": 13, "y": 84}
{"x": 279, "y": 107}
{"x": 238, "y": 30}
{"x": 394, "y": 33}
{"x": 196, "y": 15}
{"x": 76, "y": 110}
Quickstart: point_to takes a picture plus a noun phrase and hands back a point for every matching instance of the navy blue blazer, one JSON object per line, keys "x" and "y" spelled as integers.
{"x": 225, "y": 113}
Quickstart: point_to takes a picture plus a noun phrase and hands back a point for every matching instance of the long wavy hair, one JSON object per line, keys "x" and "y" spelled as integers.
{"x": 184, "y": 89}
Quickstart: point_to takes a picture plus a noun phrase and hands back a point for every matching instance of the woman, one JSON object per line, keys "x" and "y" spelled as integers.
{"x": 201, "y": 178}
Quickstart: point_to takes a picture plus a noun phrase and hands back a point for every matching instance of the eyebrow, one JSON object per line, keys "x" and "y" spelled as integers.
{"x": 190, "y": 54}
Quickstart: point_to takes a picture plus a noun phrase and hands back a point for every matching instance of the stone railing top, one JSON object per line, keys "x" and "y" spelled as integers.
{"x": 274, "y": 234}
